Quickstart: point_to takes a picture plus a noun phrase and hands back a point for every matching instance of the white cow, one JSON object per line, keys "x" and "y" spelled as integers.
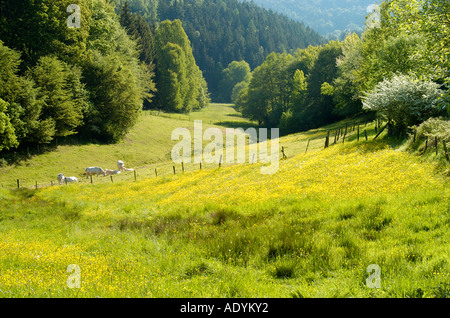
{"x": 121, "y": 166}
{"x": 90, "y": 171}
{"x": 63, "y": 179}
{"x": 111, "y": 172}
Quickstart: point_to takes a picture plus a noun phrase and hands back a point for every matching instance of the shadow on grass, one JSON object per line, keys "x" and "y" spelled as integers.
{"x": 27, "y": 152}
{"x": 237, "y": 124}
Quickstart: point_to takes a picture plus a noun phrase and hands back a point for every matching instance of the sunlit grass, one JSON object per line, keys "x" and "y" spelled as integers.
{"x": 310, "y": 230}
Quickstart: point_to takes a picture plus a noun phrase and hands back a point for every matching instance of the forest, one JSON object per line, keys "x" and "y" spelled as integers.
{"x": 222, "y": 31}
{"x": 177, "y": 56}
{"x": 92, "y": 81}
{"x": 396, "y": 70}
{"x": 57, "y": 81}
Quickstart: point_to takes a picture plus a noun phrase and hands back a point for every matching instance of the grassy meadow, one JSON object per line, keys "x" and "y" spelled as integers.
{"x": 310, "y": 230}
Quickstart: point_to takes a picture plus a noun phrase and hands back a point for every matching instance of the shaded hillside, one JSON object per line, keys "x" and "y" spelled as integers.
{"x": 328, "y": 17}
{"x": 222, "y": 31}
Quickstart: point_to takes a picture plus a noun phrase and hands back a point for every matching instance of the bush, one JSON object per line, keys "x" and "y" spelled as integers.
{"x": 405, "y": 101}
{"x": 432, "y": 128}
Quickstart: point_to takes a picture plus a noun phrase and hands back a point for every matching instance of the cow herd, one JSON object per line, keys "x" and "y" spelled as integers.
{"x": 91, "y": 171}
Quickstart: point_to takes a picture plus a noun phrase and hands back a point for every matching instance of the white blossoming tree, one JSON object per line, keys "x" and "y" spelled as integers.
{"x": 405, "y": 101}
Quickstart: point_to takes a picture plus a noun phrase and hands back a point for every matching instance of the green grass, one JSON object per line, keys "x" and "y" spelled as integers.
{"x": 147, "y": 145}
{"x": 311, "y": 230}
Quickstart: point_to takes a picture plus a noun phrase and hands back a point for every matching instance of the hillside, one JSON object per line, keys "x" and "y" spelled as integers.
{"x": 222, "y": 31}
{"x": 331, "y": 18}
{"x": 310, "y": 230}
{"x": 148, "y": 144}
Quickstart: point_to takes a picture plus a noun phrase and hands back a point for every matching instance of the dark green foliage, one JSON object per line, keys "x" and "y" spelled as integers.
{"x": 223, "y": 31}
{"x": 57, "y": 81}
{"x": 116, "y": 99}
{"x": 180, "y": 83}
{"x": 57, "y": 84}
{"x": 235, "y": 73}
{"x": 7, "y": 133}
{"x": 319, "y": 109}
{"x": 286, "y": 90}
{"x": 23, "y": 108}
{"x": 339, "y": 74}
{"x": 138, "y": 29}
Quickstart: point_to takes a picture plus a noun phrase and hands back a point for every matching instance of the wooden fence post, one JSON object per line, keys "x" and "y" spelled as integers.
{"x": 18, "y": 184}
{"x": 182, "y": 166}
{"x": 111, "y": 179}
{"x": 134, "y": 175}
{"x": 156, "y": 172}
{"x": 220, "y": 161}
{"x": 35, "y": 185}
{"x": 174, "y": 170}
{"x": 379, "y": 133}
{"x": 307, "y": 145}
{"x": 357, "y": 132}
{"x": 200, "y": 166}
{"x": 365, "y": 133}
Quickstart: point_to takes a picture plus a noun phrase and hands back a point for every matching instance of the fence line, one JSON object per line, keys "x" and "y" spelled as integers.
{"x": 338, "y": 133}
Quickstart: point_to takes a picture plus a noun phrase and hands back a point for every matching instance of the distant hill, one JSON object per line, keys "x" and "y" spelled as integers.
{"x": 331, "y": 18}
{"x": 222, "y": 31}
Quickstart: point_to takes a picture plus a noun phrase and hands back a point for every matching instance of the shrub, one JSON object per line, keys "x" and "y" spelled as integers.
{"x": 435, "y": 127}
{"x": 405, "y": 101}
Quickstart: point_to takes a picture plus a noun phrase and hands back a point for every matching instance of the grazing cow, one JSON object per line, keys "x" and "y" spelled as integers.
{"x": 63, "y": 179}
{"x": 94, "y": 170}
{"x": 60, "y": 178}
{"x": 111, "y": 172}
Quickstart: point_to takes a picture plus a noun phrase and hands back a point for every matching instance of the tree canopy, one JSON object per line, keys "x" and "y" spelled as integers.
{"x": 405, "y": 46}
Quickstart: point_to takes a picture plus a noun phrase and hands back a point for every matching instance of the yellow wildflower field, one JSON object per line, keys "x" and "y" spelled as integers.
{"x": 311, "y": 229}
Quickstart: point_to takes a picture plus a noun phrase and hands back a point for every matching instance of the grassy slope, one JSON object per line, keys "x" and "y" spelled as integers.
{"x": 310, "y": 230}
{"x": 148, "y": 144}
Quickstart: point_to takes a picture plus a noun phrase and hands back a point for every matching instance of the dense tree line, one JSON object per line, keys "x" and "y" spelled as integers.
{"x": 222, "y": 31}
{"x": 57, "y": 81}
{"x": 399, "y": 68}
{"x": 91, "y": 80}
{"x": 179, "y": 83}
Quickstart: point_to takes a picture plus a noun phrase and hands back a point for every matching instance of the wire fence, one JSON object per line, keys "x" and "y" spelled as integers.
{"x": 355, "y": 131}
